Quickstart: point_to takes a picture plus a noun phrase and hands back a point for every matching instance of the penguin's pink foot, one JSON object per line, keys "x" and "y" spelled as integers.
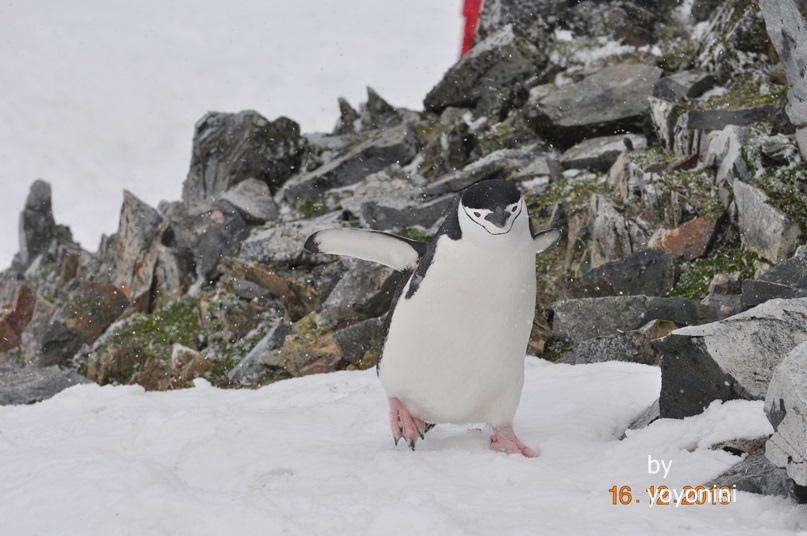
{"x": 403, "y": 424}
{"x": 504, "y": 440}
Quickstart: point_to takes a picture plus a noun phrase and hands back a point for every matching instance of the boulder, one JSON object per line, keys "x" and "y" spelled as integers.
{"x": 785, "y": 406}
{"x": 787, "y": 279}
{"x": 28, "y": 385}
{"x": 690, "y": 240}
{"x": 610, "y": 101}
{"x": 484, "y": 78}
{"x": 730, "y": 359}
{"x": 385, "y": 218}
{"x": 764, "y": 229}
{"x": 256, "y": 362}
{"x": 757, "y": 474}
{"x": 381, "y": 149}
{"x": 786, "y": 22}
{"x": 613, "y": 235}
{"x": 364, "y": 291}
{"x": 298, "y": 299}
{"x": 211, "y": 232}
{"x": 585, "y": 318}
{"x": 229, "y": 148}
{"x": 282, "y": 244}
{"x": 631, "y": 346}
{"x": 136, "y": 247}
{"x": 725, "y": 295}
{"x": 37, "y": 226}
{"x": 356, "y": 341}
{"x": 688, "y": 84}
{"x": 599, "y": 154}
{"x": 378, "y": 113}
{"x": 307, "y": 349}
{"x": 528, "y": 17}
{"x": 16, "y": 310}
{"x": 54, "y": 339}
{"x": 349, "y": 119}
{"x": 648, "y": 271}
{"x": 501, "y": 164}
{"x": 254, "y": 200}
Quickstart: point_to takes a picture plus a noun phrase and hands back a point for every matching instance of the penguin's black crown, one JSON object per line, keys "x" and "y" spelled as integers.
{"x": 490, "y": 194}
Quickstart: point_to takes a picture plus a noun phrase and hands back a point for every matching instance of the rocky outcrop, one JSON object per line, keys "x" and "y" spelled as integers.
{"x": 230, "y": 148}
{"x": 785, "y": 280}
{"x": 730, "y": 359}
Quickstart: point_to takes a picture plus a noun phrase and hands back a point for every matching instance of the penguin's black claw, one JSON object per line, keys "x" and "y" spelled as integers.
{"x": 411, "y": 444}
{"x": 396, "y": 439}
{"x": 422, "y": 433}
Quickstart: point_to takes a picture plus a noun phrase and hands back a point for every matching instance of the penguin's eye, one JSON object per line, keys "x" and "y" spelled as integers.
{"x": 514, "y": 208}
{"x": 477, "y": 214}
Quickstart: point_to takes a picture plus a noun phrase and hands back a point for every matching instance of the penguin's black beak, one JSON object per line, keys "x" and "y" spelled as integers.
{"x": 499, "y": 217}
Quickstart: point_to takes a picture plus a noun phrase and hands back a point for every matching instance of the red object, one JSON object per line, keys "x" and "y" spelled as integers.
{"x": 470, "y": 10}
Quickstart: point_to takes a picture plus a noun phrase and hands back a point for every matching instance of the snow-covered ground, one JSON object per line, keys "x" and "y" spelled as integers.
{"x": 101, "y": 95}
{"x": 314, "y": 456}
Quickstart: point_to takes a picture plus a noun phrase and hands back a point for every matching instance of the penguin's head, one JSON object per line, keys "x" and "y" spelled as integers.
{"x": 493, "y": 205}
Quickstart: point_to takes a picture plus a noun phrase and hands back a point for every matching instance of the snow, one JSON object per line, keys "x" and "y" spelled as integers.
{"x": 102, "y": 96}
{"x": 314, "y": 456}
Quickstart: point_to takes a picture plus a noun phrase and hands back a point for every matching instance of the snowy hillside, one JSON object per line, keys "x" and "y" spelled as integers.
{"x": 314, "y": 456}
{"x": 101, "y": 96}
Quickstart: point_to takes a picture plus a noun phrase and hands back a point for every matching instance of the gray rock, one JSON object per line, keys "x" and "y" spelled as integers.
{"x": 254, "y": 364}
{"x": 356, "y": 340}
{"x": 779, "y": 150}
{"x": 631, "y": 346}
{"x": 390, "y": 146}
{"x": 787, "y": 279}
{"x": 611, "y": 101}
{"x": 648, "y": 416}
{"x": 529, "y": 17}
{"x": 484, "y": 77}
{"x": 212, "y": 231}
{"x": 613, "y": 235}
{"x": 173, "y": 275}
{"x": 664, "y": 115}
{"x": 364, "y": 291}
{"x": 730, "y": 359}
{"x": 501, "y": 164}
{"x": 27, "y": 385}
{"x": 764, "y": 229}
{"x": 599, "y": 154}
{"x": 247, "y": 290}
{"x": 703, "y": 9}
{"x": 253, "y": 199}
{"x": 230, "y": 148}
{"x": 385, "y": 218}
{"x": 585, "y": 318}
{"x": 55, "y": 338}
{"x": 349, "y": 119}
{"x": 378, "y": 113}
{"x": 282, "y": 244}
{"x": 785, "y": 406}
{"x": 725, "y": 295}
{"x": 710, "y": 120}
{"x": 136, "y": 246}
{"x": 37, "y": 227}
{"x": 756, "y": 474}
{"x": 689, "y": 84}
{"x": 786, "y": 22}
{"x": 648, "y": 271}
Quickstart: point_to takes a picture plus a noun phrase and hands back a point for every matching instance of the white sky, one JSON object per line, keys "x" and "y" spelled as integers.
{"x": 99, "y": 96}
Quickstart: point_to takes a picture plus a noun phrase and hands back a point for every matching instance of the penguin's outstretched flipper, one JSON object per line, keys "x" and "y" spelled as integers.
{"x": 546, "y": 239}
{"x": 397, "y": 252}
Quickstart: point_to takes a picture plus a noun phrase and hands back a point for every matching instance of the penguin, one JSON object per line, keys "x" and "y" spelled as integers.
{"x": 457, "y": 331}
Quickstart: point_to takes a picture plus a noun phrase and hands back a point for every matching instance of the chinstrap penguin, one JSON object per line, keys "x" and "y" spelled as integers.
{"x": 457, "y": 331}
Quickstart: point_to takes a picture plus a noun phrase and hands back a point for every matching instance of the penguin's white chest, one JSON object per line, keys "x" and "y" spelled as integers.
{"x": 455, "y": 349}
